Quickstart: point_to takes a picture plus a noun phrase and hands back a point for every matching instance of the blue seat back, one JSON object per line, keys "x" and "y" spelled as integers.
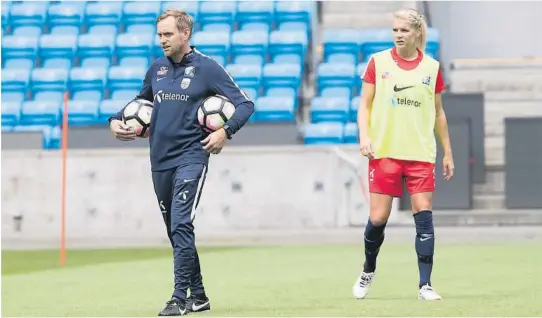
{"x": 94, "y": 45}
{"x": 275, "y": 108}
{"x": 249, "y": 42}
{"x": 288, "y": 42}
{"x": 217, "y": 12}
{"x": 212, "y": 43}
{"x": 40, "y": 113}
{"x": 15, "y": 80}
{"x": 255, "y": 11}
{"x": 282, "y": 75}
{"x": 65, "y": 13}
{"x": 135, "y": 12}
{"x": 86, "y": 78}
{"x": 133, "y": 44}
{"x": 52, "y": 45}
{"x": 49, "y": 79}
{"x": 125, "y": 77}
{"x": 246, "y": 75}
{"x": 103, "y": 12}
{"x": 330, "y": 109}
{"x": 11, "y": 113}
{"x": 351, "y": 135}
{"x": 28, "y": 13}
{"x": 326, "y": 133}
{"x": 19, "y": 46}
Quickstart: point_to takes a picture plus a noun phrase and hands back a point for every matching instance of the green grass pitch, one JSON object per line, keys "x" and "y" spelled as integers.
{"x": 315, "y": 280}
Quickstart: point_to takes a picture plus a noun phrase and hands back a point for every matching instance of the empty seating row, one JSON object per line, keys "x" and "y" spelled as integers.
{"x": 215, "y": 43}
{"x": 329, "y": 133}
{"x": 133, "y": 12}
{"x": 121, "y": 77}
{"x": 86, "y": 112}
{"x": 361, "y": 44}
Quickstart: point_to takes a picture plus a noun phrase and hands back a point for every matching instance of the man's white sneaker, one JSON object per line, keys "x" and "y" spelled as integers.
{"x": 361, "y": 287}
{"x": 428, "y": 293}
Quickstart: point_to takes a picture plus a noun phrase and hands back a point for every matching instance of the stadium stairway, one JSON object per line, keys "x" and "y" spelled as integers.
{"x": 511, "y": 88}
{"x": 361, "y": 14}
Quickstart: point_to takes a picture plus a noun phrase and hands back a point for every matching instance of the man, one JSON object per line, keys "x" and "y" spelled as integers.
{"x": 179, "y": 148}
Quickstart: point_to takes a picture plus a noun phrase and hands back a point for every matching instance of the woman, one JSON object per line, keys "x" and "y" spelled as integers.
{"x": 399, "y": 112}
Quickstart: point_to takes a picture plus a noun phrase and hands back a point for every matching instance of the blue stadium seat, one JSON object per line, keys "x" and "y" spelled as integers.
{"x": 249, "y": 42}
{"x": 124, "y": 95}
{"x": 18, "y": 97}
{"x": 103, "y": 12}
{"x": 15, "y": 80}
{"x": 65, "y": 30}
{"x": 25, "y": 63}
{"x": 57, "y": 62}
{"x": 157, "y": 48}
{"x": 335, "y": 74}
{"x": 190, "y": 7}
{"x": 288, "y": 42}
{"x": 256, "y": 26}
{"x": 49, "y": 96}
{"x": 51, "y": 134}
{"x": 346, "y": 58}
{"x": 104, "y": 62}
{"x": 246, "y": 75}
{"x": 28, "y": 13}
{"x": 324, "y": 133}
{"x": 342, "y": 92}
{"x": 52, "y": 45}
{"x": 293, "y": 26}
{"x": 95, "y": 45}
{"x": 19, "y": 47}
{"x": 251, "y": 92}
{"x": 255, "y": 11}
{"x": 11, "y": 113}
{"x": 294, "y": 11}
{"x": 274, "y": 109}
{"x": 85, "y": 78}
{"x": 92, "y": 95}
{"x": 249, "y": 59}
{"x": 40, "y": 113}
{"x": 433, "y": 42}
{"x": 281, "y": 75}
{"x": 220, "y": 59}
{"x": 49, "y": 79}
{"x": 65, "y": 13}
{"x": 100, "y": 29}
{"x": 333, "y": 109}
{"x": 354, "y": 106}
{"x": 133, "y": 44}
{"x": 375, "y": 40}
{"x": 212, "y": 43}
{"x": 140, "y": 12}
{"x": 131, "y": 61}
{"x": 82, "y": 112}
{"x": 120, "y": 77}
{"x": 6, "y": 21}
{"x": 141, "y": 29}
{"x": 217, "y": 12}
{"x": 360, "y": 71}
{"x": 351, "y": 134}
{"x": 24, "y": 30}
{"x": 337, "y": 40}
{"x": 109, "y": 108}
{"x": 281, "y": 91}
{"x": 217, "y": 27}
{"x": 288, "y": 59}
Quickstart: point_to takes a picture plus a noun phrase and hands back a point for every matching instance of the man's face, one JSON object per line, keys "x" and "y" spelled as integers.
{"x": 171, "y": 39}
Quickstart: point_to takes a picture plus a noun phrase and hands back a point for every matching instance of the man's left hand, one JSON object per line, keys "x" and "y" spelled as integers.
{"x": 215, "y": 141}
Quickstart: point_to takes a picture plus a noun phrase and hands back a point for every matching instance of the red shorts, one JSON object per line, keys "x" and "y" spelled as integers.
{"x": 386, "y": 176}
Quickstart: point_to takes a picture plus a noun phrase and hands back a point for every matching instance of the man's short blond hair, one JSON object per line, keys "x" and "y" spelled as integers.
{"x": 183, "y": 19}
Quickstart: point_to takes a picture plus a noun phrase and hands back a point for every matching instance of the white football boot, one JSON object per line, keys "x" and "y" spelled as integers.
{"x": 428, "y": 293}
{"x": 361, "y": 287}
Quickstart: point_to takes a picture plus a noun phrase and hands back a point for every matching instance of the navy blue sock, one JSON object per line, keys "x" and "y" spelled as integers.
{"x": 425, "y": 245}
{"x": 374, "y": 237}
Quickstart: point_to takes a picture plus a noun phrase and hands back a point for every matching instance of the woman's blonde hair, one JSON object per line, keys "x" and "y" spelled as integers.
{"x": 416, "y": 21}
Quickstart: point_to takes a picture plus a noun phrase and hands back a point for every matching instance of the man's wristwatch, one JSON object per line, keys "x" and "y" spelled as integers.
{"x": 228, "y": 131}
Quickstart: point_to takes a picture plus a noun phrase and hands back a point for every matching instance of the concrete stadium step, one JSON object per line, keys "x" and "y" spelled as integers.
{"x": 361, "y": 14}
{"x": 494, "y": 151}
{"x": 495, "y": 217}
{"x": 497, "y": 63}
{"x": 496, "y": 81}
{"x": 494, "y": 183}
{"x": 495, "y": 112}
{"x": 488, "y": 201}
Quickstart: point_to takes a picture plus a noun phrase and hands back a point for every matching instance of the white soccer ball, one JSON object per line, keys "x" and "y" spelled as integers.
{"x": 214, "y": 112}
{"x": 137, "y": 114}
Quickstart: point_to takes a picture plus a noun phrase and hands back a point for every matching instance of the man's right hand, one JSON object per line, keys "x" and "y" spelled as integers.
{"x": 121, "y": 131}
